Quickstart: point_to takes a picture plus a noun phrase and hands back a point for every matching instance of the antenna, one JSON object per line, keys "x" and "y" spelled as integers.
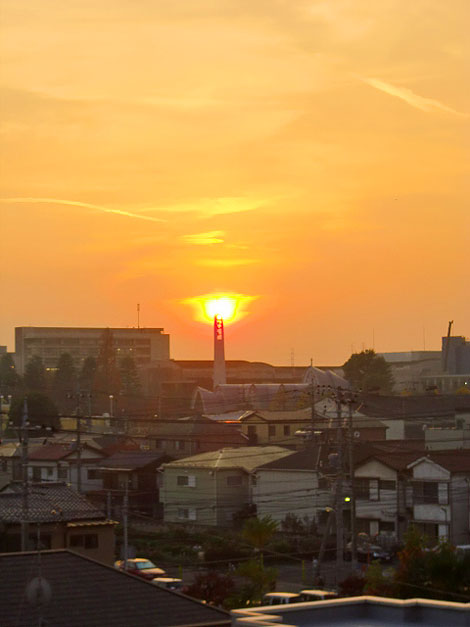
{"x": 292, "y": 357}
{"x": 138, "y": 315}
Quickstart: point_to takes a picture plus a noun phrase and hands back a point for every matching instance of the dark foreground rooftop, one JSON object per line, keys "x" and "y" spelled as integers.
{"x": 364, "y": 611}
{"x": 85, "y": 593}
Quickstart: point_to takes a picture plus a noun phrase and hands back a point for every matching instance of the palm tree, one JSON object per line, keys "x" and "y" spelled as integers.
{"x": 259, "y": 531}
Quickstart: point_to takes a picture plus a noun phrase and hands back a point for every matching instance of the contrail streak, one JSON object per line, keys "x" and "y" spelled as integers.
{"x": 77, "y": 203}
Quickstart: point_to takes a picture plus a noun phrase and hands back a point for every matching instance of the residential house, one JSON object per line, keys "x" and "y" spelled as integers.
{"x": 10, "y": 462}
{"x": 60, "y": 462}
{"x": 58, "y": 517}
{"x": 81, "y": 592}
{"x": 134, "y": 473}
{"x": 210, "y": 488}
{"x": 264, "y": 427}
{"x": 292, "y": 484}
{"x": 190, "y": 436}
{"x": 381, "y": 482}
{"x": 441, "y": 495}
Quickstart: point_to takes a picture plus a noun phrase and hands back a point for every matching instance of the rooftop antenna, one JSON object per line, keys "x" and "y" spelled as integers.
{"x": 138, "y": 315}
{"x": 292, "y": 357}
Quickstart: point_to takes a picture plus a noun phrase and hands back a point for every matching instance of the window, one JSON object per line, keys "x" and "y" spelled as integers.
{"x": 374, "y": 494}
{"x": 425, "y": 492}
{"x": 4, "y": 465}
{"x": 387, "y": 485}
{"x": 62, "y": 472}
{"x": 186, "y": 513}
{"x": 186, "y": 480}
{"x": 286, "y": 429}
{"x": 271, "y": 430}
{"x": 323, "y": 483}
{"x": 36, "y": 473}
{"x": 234, "y": 480}
{"x": 251, "y": 431}
{"x": 88, "y": 541}
{"x": 93, "y": 474}
{"x": 386, "y": 526}
{"x": 179, "y": 445}
{"x": 362, "y": 488}
{"x": 49, "y": 472}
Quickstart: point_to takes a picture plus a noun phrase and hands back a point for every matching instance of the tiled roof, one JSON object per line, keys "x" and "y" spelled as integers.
{"x": 48, "y": 502}
{"x": 455, "y": 461}
{"x": 50, "y": 452}
{"x": 86, "y": 593}
{"x": 246, "y": 457}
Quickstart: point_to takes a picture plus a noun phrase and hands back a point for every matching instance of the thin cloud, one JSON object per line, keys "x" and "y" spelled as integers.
{"x": 418, "y": 102}
{"x": 226, "y": 263}
{"x": 202, "y": 239}
{"x": 76, "y": 203}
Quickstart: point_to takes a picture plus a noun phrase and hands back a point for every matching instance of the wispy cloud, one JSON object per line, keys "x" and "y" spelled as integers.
{"x": 77, "y": 203}
{"x": 201, "y": 239}
{"x": 407, "y": 95}
{"x": 208, "y": 207}
{"x": 226, "y": 263}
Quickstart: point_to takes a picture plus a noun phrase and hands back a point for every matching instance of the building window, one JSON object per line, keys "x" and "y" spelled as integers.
{"x": 251, "y": 431}
{"x": 179, "y": 445}
{"x": 4, "y": 465}
{"x": 425, "y": 492}
{"x": 271, "y": 430}
{"x": 234, "y": 480}
{"x": 386, "y": 526}
{"x": 323, "y": 483}
{"x": 93, "y": 474}
{"x": 49, "y": 472}
{"x": 62, "y": 472}
{"x": 362, "y": 488}
{"x": 286, "y": 429}
{"x": 87, "y": 541}
{"x": 186, "y": 513}
{"x": 374, "y": 494}
{"x": 387, "y": 485}
{"x": 186, "y": 480}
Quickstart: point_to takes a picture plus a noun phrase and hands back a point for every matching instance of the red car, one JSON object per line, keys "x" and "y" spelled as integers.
{"x": 141, "y": 567}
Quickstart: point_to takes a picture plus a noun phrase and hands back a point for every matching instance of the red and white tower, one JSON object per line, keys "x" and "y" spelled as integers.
{"x": 219, "y": 351}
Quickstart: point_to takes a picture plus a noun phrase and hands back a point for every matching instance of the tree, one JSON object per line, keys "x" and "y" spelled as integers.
{"x": 211, "y": 587}
{"x": 369, "y": 372}
{"x": 87, "y": 374}
{"x": 130, "y": 381}
{"x": 259, "y": 531}
{"x": 259, "y": 580}
{"x": 35, "y": 375}
{"x": 42, "y": 411}
{"x": 107, "y": 380}
{"x": 9, "y": 378}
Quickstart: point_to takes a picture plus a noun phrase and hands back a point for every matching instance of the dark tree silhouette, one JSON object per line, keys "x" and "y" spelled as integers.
{"x": 10, "y": 380}
{"x": 42, "y": 411}
{"x": 369, "y": 372}
{"x": 107, "y": 379}
{"x": 35, "y": 375}
{"x": 130, "y": 381}
{"x": 87, "y": 374}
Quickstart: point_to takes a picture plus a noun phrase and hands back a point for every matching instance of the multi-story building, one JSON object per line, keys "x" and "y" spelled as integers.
{"x": 49, "y": 343}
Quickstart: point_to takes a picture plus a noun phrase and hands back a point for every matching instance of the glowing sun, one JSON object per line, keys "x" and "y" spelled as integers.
{"x": 228, "y": 306}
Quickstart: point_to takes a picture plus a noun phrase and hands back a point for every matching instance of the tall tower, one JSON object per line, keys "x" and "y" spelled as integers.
{"x": 219, "y": 351}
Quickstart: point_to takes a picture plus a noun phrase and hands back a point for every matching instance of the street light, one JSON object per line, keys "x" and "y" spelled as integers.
{"x": 111, "y": 405}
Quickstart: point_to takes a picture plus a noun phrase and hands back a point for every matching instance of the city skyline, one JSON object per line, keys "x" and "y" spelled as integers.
{"x": 311, "y": 156}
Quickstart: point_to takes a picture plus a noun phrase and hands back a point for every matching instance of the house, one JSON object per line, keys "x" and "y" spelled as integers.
{"x": 134, "y": 473}
{"x": 210, "y": 488}
{"x": 58, "y": 517}
{"x": 59, "y": 461}
{"x": 291, "y": 484}
{"x": 441, "y": 495}
{"x": 263, "y": 427}
{"x": 381, "y": 482}
{"x": 65, "y": 589}
{"x": 192, "y": 435}
{"x": 10, "y": 463}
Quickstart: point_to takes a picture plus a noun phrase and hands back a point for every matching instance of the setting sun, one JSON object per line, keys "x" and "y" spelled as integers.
{"x": 228, "y": 306}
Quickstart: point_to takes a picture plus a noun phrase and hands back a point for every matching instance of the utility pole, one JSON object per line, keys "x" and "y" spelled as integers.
{"x": 125, "y": 507}
{"x": 79, "y": 445}
{"x": 24, "y": 464}
{"x": 339, "y": 490}
{"x": 353, "y": 491}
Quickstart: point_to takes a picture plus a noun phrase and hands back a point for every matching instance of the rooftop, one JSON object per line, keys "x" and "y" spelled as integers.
{"x": 246, "y": 457}
{"x": 48, "y": 502}
{"x": 84, "y": 592}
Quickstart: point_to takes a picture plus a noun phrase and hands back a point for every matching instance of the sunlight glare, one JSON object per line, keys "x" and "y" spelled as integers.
{"x": 229, "y": 306}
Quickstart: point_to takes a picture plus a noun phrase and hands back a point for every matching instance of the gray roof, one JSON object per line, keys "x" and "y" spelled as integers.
{"x": 85, "y": 593}
{"x": 48, "y": 502}
{"x": 245, "y": 457}
{"x": 133, "y": 460}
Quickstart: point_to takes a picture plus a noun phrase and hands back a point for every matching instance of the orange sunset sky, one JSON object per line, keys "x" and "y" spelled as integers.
{"x": 310, "y": 154}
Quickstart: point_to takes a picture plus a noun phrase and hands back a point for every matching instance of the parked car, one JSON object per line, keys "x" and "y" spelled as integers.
{"x": 281, "y": 598}
{"x": 317, "y": 595}
{"x": 368, "y": 553}
{"x": 141, "y": 567}
{"x": 171, "y": 583}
